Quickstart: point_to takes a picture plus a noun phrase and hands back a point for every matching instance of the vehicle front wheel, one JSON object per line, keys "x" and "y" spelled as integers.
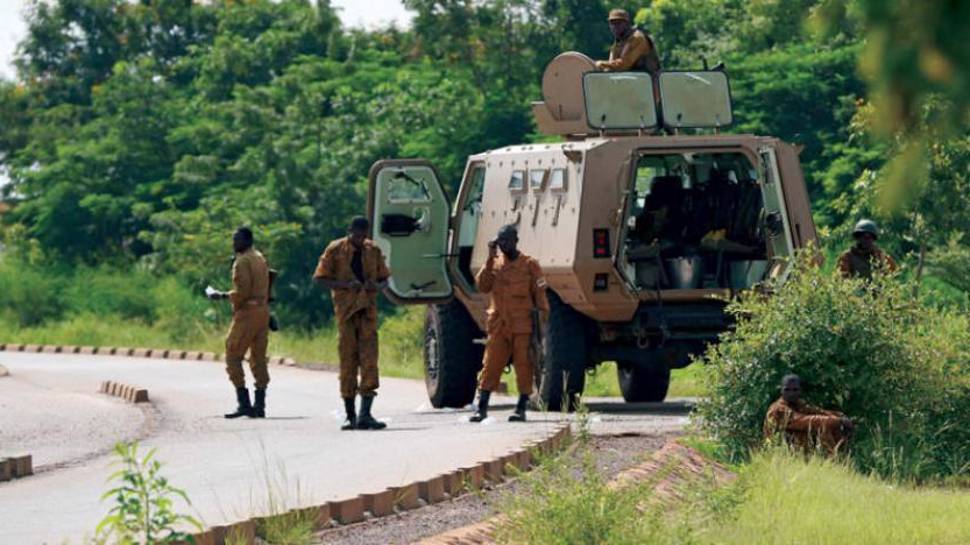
{"x": 452, "y": 359}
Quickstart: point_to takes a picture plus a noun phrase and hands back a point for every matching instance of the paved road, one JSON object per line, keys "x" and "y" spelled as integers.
{"x": 49, "y": 407}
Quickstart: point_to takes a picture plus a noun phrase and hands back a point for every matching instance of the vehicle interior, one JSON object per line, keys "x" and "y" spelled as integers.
{"x": 695, "y": 220}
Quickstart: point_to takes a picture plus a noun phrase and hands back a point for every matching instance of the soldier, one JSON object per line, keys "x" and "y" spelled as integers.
{"x": 353, "y": 269}
{"x": 250, "y": 323}
{"x": 865, "y": 256}
{"x": 517, "y": 288}
{"x": 633, "y": 49}
{"x": 802, "y": 425}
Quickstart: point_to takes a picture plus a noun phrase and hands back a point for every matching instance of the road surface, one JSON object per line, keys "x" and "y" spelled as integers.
{"x": 50, "y": 407}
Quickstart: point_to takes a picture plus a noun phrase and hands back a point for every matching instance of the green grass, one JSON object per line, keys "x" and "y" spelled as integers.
{"x": 821, "y": 502}
{"x": 778, "y": 498}
{"x": 687, "y": 382}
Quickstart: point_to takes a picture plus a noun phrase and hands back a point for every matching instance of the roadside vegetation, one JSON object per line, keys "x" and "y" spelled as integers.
{"x": 778, "y": 497}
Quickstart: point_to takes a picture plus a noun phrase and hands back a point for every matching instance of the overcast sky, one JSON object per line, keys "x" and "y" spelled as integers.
{"x": 367, "y": 13}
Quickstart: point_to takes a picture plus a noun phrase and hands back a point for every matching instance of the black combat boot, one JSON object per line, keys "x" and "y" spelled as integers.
{"x": 366, "y": 421}
{"x": 482, "y": 412}
{"x": 259, "y": 403}
{"x": 519, "y": 414}
{"x": 244, "y": 408}
{"x": 350, "y": 423}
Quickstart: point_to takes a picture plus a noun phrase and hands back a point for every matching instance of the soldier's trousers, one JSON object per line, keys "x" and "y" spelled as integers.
{"x": 249, "y": 332}
{"x": 358, "y": 355}
{"x": 498, "y": 349}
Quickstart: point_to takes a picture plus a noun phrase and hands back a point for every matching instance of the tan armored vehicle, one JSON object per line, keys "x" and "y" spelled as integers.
{"x": 645, "y": 217}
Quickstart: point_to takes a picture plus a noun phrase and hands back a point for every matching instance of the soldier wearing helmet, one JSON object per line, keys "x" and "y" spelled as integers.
{"x": 517, "y": 288}
{"x": 632, "y": 50}
{"x": 865, "y": 256}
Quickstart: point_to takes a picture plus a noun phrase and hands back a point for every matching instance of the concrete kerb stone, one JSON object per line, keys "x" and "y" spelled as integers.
{"x": 290, "y": 362}
{"x": 23, "y": 466}
{"x": 455, "y": 483}
{"x": 86, "y": 350}
{"x": 348, "y": 511}
{"x": 432, "y": 490}
{"x": 406, "y": 497}
{"x": 140, "y": 352}
{"x": 6, "y": 469}
{"x": 210, "y": 356}
{"x": 473, "y": 477}
{"x": 141, "y": 396}
{"x": 494, "y": 470}
{"x": 50, "y": 349}
{"x": 159, "y": 354}
{"x": 276, "y": 360}
{"x": 379, "y": 504}
{"x": 32, "y": 348}
{"x": 14, "y": 348}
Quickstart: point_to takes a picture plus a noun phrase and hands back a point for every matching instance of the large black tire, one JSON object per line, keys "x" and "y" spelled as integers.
{"x": 451, "y": 357}
{"x": 641, "y": 383}
{"x": 565, "y": 356}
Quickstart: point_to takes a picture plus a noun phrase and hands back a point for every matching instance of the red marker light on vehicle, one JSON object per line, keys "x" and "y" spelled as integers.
{"x": 601, "y": 243}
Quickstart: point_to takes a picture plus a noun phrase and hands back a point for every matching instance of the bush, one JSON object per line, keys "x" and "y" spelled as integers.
{"x": 30, "y": 296}
{"x": 900, "y": 368}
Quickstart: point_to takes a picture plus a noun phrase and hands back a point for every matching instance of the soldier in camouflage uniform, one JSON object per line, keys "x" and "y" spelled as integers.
{"x": 865, "y": 257}
{"x": 353, "y": 269}
{"x": 803, "y": 426}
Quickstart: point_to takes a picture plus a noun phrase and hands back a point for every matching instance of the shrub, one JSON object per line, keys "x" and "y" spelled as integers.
{"x": 900, "y": 368}
{"x": 30, "y": 296}
{"x": 103, "y": 291}
{"x": 144, "y": 510}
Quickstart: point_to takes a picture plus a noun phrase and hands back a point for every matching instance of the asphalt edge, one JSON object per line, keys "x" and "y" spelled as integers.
{"x": 340, "y": 512}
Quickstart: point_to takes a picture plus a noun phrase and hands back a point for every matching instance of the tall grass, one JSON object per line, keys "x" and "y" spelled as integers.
{"x": 778, "y": 498}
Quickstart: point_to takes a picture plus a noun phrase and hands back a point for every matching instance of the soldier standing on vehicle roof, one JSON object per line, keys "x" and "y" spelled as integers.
{"x": 803, "y": 426}
{"x": 250, "y": 323}
{"x": 633, "y": 49}
{"x": 353, "y": 269}
{"x": 517, "y": 288}
{"x": 865, "y": 257}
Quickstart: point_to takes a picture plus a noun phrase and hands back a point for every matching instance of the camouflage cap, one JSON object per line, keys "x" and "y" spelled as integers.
{"x": 619, "y": 15}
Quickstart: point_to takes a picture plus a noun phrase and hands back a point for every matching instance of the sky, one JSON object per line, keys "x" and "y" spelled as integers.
{"x": 354, "y": 13}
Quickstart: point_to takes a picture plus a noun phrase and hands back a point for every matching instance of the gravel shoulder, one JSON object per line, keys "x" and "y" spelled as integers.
{"x": 613, "y": 454}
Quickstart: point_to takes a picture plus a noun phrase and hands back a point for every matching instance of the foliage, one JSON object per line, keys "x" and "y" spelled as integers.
{"x": 144, "y": 510}
{"x": 895, "y": 365}
{"x": 952, "y": 263}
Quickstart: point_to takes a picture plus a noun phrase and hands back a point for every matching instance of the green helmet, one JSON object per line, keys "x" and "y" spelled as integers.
{"x": 866, "y": 226}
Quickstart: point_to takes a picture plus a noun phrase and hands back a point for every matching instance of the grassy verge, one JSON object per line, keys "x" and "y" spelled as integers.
{"x": 778, "y": 498}
{"x": 401, "y": 338}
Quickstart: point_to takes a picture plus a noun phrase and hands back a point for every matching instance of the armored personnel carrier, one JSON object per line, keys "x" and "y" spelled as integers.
{"x": 646, "y": 217}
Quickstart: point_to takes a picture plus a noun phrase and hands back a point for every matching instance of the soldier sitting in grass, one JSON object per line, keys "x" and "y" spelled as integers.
{"x": 803, "y": 426}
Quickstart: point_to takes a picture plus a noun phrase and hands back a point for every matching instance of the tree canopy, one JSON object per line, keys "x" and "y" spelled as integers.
{"x": 144, "y": 132}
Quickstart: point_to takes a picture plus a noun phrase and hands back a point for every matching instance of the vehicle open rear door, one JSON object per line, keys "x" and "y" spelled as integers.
{"x": 777, "y": 227}
{"x": 409, "y": 212}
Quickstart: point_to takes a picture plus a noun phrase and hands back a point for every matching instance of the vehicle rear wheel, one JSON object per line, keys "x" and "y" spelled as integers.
{"x": 451, "y": 357}
{"x": 640, "y": 383}
{"x": 565, "y": 355}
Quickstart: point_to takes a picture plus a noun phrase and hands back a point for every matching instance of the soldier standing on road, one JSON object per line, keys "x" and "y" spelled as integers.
{"x": 633, "y": 49}
{"x": 803, "y": 426}
{"x": 517, "y": 288}
{"x": 865, "y": 257}
{"x": 353, "y": 269}
{"x": 250, "y": 323}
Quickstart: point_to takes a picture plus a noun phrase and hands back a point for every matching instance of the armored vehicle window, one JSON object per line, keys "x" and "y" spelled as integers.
{"x": 622, "y": 101}
{"x": 517, "y": 181}
{"x": 406, "y": 188}
{"x": 537, "y": 179}
{"x": 557, "y": 180}
{"x": 696, "y": 99}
